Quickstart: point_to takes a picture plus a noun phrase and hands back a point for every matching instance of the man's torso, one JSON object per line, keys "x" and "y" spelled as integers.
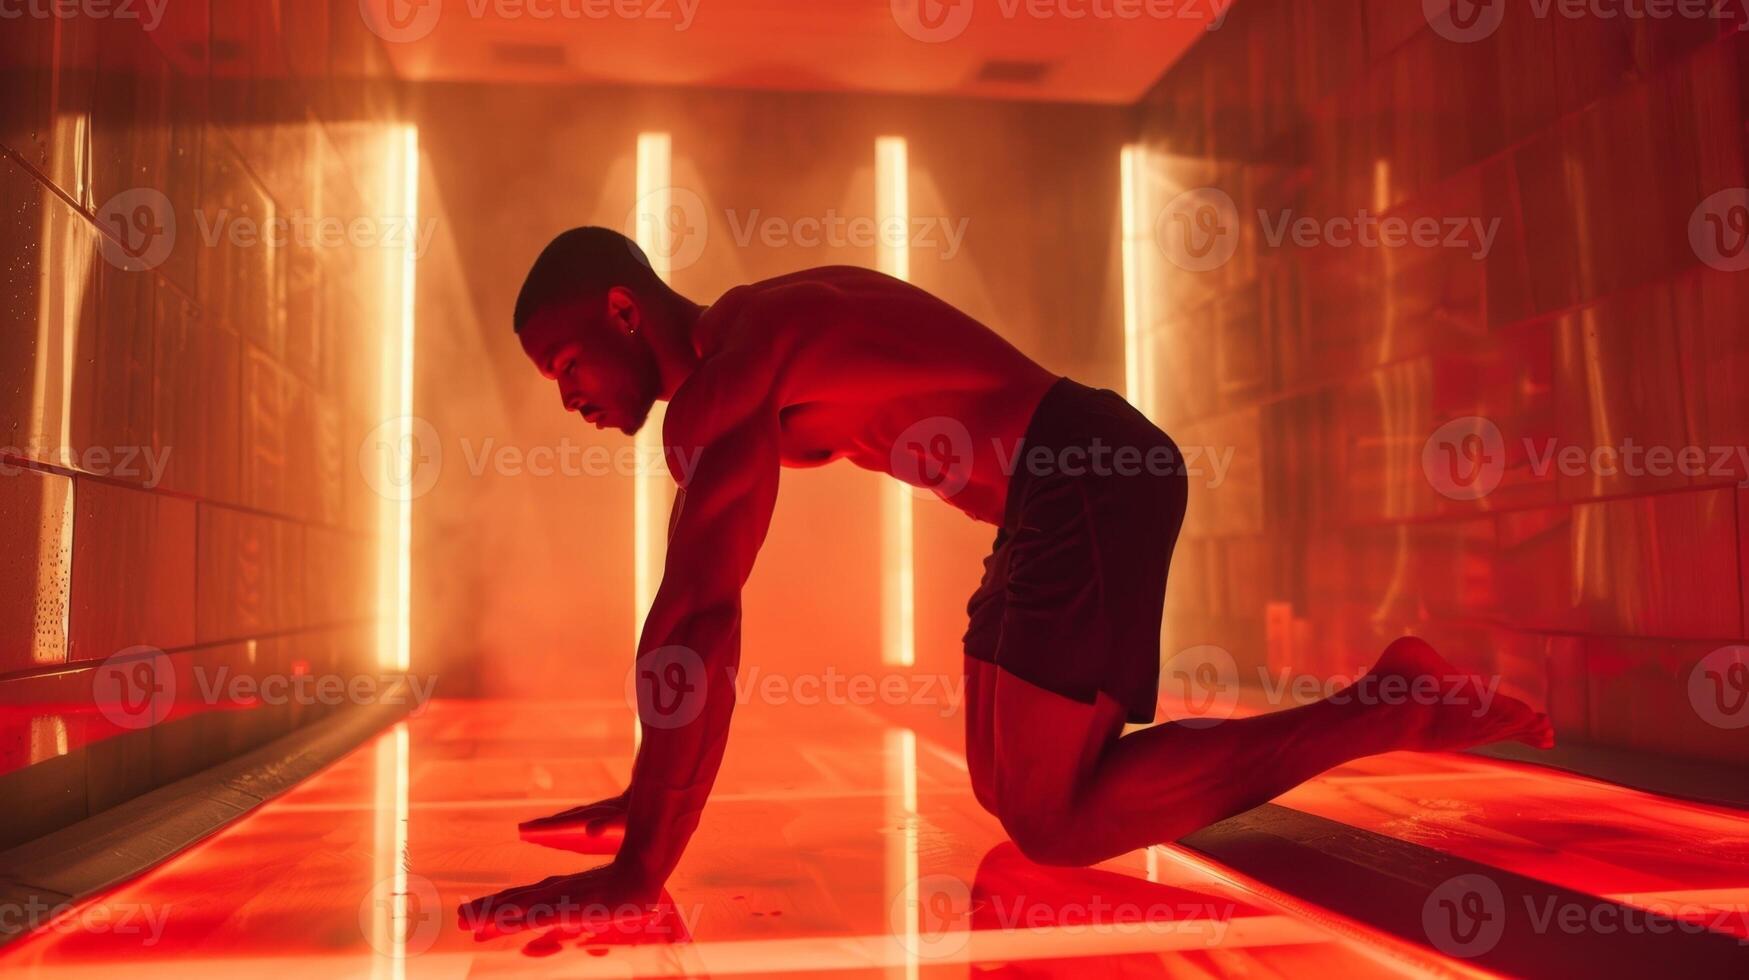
{"x": 870, "y": 369}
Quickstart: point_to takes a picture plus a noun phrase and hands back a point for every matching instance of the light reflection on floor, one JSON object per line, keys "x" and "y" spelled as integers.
{"x": 854, "y": 849}
{"x": 1683, "y": 859}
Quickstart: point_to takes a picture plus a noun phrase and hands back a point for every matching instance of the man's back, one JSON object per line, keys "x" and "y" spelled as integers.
{"x": 864, "y": 367}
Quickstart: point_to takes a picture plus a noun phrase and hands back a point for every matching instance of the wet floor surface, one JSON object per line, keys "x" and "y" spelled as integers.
{"x": 854, "y": 849}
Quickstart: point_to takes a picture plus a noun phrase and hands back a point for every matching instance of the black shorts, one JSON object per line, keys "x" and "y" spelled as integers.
{"x": 1075, "y": 584}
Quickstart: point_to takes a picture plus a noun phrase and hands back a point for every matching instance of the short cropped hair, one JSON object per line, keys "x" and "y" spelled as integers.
{"x": 581, "y": 263}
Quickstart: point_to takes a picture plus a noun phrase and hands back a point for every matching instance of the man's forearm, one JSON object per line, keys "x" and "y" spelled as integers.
{"x": 686, "y": 698}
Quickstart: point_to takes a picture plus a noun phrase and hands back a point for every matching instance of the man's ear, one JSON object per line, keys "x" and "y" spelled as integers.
{"x": 622, "y": 310}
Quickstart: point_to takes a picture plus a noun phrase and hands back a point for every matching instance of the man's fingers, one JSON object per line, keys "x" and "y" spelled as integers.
{"x": 510, "y": 901}
{"x": 586, "y": 818}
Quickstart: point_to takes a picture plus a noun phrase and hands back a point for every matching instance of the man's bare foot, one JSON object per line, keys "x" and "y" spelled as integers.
{"x": 1445, "y": 709}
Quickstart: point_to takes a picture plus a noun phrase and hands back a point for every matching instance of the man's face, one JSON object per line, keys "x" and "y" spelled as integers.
{"x": 591, "y": 351}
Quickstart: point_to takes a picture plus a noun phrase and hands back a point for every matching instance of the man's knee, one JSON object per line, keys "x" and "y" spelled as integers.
{"x": 981, "y": 771}
{"x": 1044, "y": 831}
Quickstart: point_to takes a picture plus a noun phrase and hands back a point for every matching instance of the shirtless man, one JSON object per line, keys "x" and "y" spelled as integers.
{"x": 1063, "y": 645}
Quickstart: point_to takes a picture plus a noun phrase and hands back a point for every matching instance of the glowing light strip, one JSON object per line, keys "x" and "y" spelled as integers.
{"x": 903, "y": 868}
{"x": 395, "y": 510}
{"x": 650, "y": 494}
{"x": 1138, "y": 369}
{"x": 61, "y": 289}
{"x": 409, "y": 305}
{"x": 389, "y": 912}
{"x": 898, "y": 560}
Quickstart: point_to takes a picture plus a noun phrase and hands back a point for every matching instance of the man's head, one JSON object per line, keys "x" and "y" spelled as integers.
{"x": 584, "y": 317}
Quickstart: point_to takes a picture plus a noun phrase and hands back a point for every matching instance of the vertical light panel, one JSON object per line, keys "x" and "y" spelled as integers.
{"x": 898, "y": 564}
{"x": 903, "y": 867}
{"x": 391, "y": 911}
{"x": 395, "y": 514}
{"x": 651, "y": 494}
{"x": 1137, "y": 232}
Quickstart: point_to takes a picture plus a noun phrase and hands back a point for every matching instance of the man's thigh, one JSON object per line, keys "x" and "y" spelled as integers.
{"x": 980, "y": 711}
{"x": 1047, "y": 747}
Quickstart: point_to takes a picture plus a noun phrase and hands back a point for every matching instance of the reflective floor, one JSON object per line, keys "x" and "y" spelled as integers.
{"x": 854, "y": 849}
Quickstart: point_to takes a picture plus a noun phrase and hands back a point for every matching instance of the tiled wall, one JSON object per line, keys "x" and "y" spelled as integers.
{"x": 248, "y": 370}
{"x": 1329, "y": 368}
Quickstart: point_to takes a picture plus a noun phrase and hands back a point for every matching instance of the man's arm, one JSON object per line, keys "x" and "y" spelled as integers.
{"x": 692, "y": 637}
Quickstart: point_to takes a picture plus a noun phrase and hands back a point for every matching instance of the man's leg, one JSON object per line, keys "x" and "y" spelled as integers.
{"x": 980, "y": 709}
{"x": 1070, "y": 791}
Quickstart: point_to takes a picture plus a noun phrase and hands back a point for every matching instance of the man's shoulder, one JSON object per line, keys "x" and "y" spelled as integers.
{"x": 770, "y": 303}
{"x": 728, "y": 387}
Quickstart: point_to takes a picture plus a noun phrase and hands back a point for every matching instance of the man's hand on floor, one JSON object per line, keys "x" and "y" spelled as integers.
{"x": 592, "y": 902}
{"x": 593, "y": 828}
